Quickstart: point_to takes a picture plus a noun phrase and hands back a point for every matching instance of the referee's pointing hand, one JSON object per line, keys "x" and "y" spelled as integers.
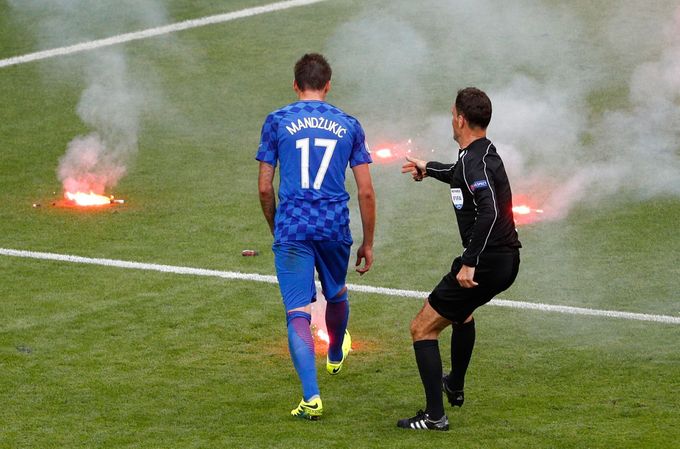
{"x": 416, "y": 167}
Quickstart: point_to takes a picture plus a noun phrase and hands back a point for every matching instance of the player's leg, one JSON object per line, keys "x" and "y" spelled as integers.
{"x": 462, "y": 344}
{"x": 332, "y": 259}
{"x": 337, "y": 318}
{"x": 495, "y": 272}
{"x": 444, "y": 302}
{"x": 295, "y": 271}
{"x": 301, "y": 346}
{"x": 425, "y": 328}
{"x": 459, "y": 309}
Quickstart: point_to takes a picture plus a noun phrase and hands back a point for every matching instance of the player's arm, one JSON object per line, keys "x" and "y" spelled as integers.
{"x": 439, "y": 171}
{"x": 416, "y": 167}
{"x": 487, "y": 212}
{"x": 420, "y": 169}
{"x": 265, "y": 184}
{"x": 366, "y": 197}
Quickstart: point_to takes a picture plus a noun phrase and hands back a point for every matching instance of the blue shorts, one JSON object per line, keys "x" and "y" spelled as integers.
{"x": 295, "y": 262}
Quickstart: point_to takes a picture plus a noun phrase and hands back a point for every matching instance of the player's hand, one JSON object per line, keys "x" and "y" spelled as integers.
{"x": 465, "y": 277}
{"x": 364, "y": 253}
{"x": 416, "y": 167}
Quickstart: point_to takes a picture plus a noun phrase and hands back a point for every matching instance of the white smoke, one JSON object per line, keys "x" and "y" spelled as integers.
{"x": 111, "y": 106}
{"x": 579, "y": 157}
{"x": 557, "y": 80}
{"x": 377, "y": 84}
{"x": 113, "y": 99}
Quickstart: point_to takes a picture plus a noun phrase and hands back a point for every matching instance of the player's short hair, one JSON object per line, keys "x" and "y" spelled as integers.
{"x": 312, "y": 72}
{"x": 475, "y": 106}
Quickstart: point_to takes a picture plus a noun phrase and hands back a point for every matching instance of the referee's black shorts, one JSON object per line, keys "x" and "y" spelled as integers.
{"x": 495, "y": 272}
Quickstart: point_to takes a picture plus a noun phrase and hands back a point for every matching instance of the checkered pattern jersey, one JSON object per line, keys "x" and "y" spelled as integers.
{"x": 313, "y": 142}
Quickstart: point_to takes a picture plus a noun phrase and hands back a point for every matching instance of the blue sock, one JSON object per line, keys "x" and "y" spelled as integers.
{"x": 337, "y": 315}
{"x": 301, "y": 348}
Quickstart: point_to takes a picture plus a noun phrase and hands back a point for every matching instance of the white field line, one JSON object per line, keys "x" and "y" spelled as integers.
{"x": 152, "y": 32}
{"x": 357, "y": 288}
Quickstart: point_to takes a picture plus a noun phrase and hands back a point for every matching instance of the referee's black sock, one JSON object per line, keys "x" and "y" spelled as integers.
{"x": 462, "y": 343}
{"x": 429, "y": 363}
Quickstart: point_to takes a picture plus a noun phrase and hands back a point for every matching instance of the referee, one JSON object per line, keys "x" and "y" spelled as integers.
{"x": 482, "y": 201}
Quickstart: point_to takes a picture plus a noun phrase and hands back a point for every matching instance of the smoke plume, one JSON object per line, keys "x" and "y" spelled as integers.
{"x": 110, "y": 105}
{"x": 113, "y": 99}
{"x": 586, "y": 103}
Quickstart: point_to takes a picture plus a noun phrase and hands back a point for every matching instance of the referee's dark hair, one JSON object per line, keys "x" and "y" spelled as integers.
{"x": 475, "y": 106}
{"x": 312, "y": 72}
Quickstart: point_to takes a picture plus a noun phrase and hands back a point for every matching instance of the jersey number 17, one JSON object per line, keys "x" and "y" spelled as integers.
{"x": 303, "y": 145}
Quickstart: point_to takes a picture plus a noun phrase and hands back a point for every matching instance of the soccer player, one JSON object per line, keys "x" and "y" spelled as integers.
{"x": 314, "y": 142}
{"x": 482, "y": 201}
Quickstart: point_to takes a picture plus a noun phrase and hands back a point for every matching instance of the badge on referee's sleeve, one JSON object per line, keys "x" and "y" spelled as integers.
{"x": 457, "y": 198}
{"x": 479, "y": 185}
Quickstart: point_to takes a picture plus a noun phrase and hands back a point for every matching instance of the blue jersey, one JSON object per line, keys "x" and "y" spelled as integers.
{"x": 314, "y": 143}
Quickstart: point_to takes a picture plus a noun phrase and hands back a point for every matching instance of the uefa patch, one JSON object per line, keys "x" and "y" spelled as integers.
{"x": 457, "y": 198}
{"x": 477, "y": 185}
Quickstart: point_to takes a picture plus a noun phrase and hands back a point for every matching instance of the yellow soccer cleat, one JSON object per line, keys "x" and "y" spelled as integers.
{"x": 334, "y": 368}
{"x": 309, "y": 410}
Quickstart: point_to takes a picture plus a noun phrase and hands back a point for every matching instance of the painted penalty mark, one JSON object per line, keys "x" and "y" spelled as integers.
{"x": 157, "y": 31}
{"x": 235, "y": 275}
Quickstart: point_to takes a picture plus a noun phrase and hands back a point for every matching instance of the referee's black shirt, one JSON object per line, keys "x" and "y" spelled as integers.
{"x": 482, "y": 200}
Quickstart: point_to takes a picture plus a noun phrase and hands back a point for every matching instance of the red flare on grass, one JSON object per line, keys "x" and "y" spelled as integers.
{"x": 384, "y": 153}
{"x": 88, "y": 199}
{"x": 524, "y": 212}
{"x": 81, "y": 200}
{"x": 322, "y": 335}
{"x": 388, "y": 152}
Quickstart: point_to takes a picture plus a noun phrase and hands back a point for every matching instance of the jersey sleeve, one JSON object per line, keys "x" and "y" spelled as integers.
{"x": 268, "y": 151}
{"x": 360, "y": 154}
{"x": 439, "y": 171}
{"x": 481, "y": 186}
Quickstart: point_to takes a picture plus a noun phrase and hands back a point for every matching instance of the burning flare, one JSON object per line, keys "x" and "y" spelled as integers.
{"x": 525, "y": 210}
{"x": 389, "y": 152}
{"x": 323, "y": 335}
{"x": 384, "y": 153}
{"x": 90, "y": 199}
{"x": 525, "y": 214}
{"x": 321, "y": 338}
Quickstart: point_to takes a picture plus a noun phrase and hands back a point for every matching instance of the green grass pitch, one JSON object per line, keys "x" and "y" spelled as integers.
{"x": 102, "y": 357}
